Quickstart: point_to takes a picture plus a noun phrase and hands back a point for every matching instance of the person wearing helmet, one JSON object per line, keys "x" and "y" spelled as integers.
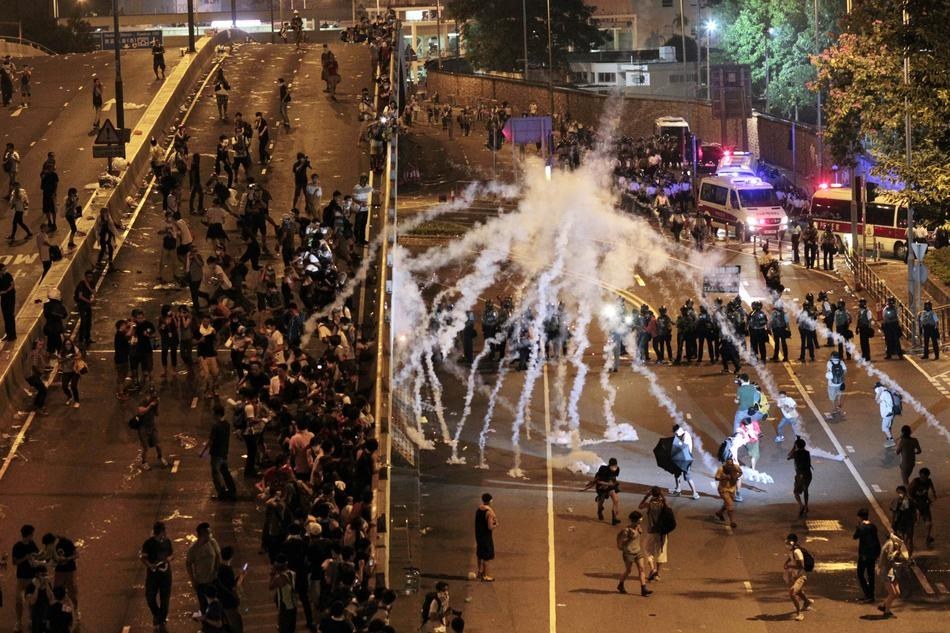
{"x": 892, "y": 330}
{"x": 865, "y": 328}
{"x": 827, "y": 311}
{"x": 842, "y": 322}
{"x": 758, "y": 331}
{"x": 806, "y": 328}
{"x": 664, "y": 335}
{"x": 927, "y": 320}
{"x": 296, "y": 25}
{"x": 778, "y": 323}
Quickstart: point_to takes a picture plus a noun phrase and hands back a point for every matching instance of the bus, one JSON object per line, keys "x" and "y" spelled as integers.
{"x": 746, "y": 203}
{"x": 886, "y": 218}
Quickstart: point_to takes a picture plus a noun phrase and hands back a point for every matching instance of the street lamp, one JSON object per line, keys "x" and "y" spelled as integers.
{"x": 710, "y": 27}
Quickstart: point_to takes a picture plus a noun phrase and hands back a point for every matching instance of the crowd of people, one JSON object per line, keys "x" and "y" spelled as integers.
{"x": 301, "y": 412}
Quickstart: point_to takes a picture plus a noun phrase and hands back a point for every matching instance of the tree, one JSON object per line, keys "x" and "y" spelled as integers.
{"x": 493, "y": 31}
{"x": 73, "y": 37}
{"x": 862, "y": 74}
{"x": 776, "y": 39}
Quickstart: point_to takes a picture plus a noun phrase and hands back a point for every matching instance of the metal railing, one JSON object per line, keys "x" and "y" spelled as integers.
{"x": 871, "y": 284}
{"x": 25, "y": 42}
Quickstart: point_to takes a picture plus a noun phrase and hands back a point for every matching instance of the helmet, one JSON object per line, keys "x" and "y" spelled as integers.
{"x": 644, "y": 309}
{"x": 809, "y": 298}
{"x": 840, "y": 303}
{"x": 928, "y": 305}
{"x": 862, "y": 302}
{"x": 891, "y": 301}
{"x": 822, "y": 295}
{"x": 756, "y": 305}
{"x": 662, "y": 309}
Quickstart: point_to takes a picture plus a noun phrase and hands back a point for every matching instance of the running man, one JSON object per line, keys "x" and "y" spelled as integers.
{"x": 834, "y": 374}
{"x": 629, "y": 544}
{"x": 606, "y": 486}
{"x": 728, "y": 476}
{"x": 789, "y": 409}
{"x": 795, "y": 577}
{"x": 683, "y": 440}
{"x": 885, "y": 402}
{"x": 802, "y": 459}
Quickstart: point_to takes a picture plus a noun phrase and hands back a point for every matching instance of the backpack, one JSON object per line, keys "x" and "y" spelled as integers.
{"x": 808, "y": 561}
{"x": 764, "y": 405}
{"x": 837, "y": 373}
{"x": 666, "y": 522}
{"x": 55, "y": 253}
{"x": 431, "y": 597}
{"x": 897, "y": 403}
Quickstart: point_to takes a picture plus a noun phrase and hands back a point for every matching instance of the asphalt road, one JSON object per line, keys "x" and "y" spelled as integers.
{"x": 557, "y": 566}
{"x": 60, "y": 121}
{"x": 77, "y": 473}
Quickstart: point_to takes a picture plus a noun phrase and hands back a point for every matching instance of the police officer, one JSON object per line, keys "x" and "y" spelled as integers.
{"x": 778, "y": 323}
{"x": 705, "y": 330}
{"x": 796, "y": 232}
{"x": 758, "y": 331}
{"x": 928, "y": 329}
{"x": 865, "y": 328}
{"x": 810, "y": 237}
{"x": 842, "y": 320}
{"x": 806, "y": 328}
{"x": 468, "y": 337}
{"x": 685, "y": 328}
{"x": 737, "y": 318}
{"x": 664, "y": 336}
{"x": 827, "y": 310}
{"x": 892, "y": 330}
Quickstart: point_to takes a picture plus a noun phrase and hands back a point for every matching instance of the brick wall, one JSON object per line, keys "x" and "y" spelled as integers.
{"x": 767, "y": 137}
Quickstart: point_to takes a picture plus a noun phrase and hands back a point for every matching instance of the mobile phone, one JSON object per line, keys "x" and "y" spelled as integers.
{"x": 244, "y": 568}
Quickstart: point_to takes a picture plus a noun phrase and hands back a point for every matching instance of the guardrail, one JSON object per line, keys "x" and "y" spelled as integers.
{"x": 871, "y": 284}
{"x": 28, "y": 43}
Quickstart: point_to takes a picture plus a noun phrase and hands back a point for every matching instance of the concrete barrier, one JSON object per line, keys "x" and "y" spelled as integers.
{"x": 66, "y": 274}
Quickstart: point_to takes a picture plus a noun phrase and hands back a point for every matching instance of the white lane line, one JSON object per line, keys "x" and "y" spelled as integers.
{"x": 876, "y": 488}
{"x": 882, "y": 516}
{"x": 689, "y": 416}
{"x": 942, "y": 588}
{"x": 931, "y": 379}
{"x": 194, "y": 402}
{"x": 175, "y": 466}
{"x": 850, "y": 449}
{"x": 552, "y": 585}
{"x": 747, "y": 585}
{"x": 640, "y": 281}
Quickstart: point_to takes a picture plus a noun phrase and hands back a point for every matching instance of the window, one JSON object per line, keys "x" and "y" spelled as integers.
{"x": 733, "y": 200}
{"x": 882, "y": 214}
{"x": 831, "y": 209}
{"x": 606, "y": 78}
{"x": 667, "y": 3}
{"x": 713, "y": 194}
{"x": 902, "y": 218}
{"x": 580, "y": 77}
{"x": 758, "y": 197}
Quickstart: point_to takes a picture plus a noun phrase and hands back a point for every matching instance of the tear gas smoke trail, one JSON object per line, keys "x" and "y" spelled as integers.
{"x": 489, "y": 412}
{"x": 610, "y": 392}
{"x": 369, "y": 259}
{"x": 470, "y": 394}
{"x": 581, "y": 369}
{"x": 417, "y": 434}
{"x": 871, "y": 370}
{"x": 546, "y": 292}
{"x": 560, "y": 397}
{"x": 436, "y": 387}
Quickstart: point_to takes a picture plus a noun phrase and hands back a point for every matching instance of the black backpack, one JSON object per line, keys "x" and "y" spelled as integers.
{"x": 427, "y": 605}
{"x": 666, "y": 522}
{"x": 897, "y": 403}
{"x": 837, "y": 373}
{"x": 808, "y": 561}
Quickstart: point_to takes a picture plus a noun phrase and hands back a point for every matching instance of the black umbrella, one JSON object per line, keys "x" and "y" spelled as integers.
{"x": 663, "y": 451}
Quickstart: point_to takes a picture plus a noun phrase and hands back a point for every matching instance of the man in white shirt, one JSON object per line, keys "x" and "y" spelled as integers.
{"x": 834, "y": 373}
{"x": 885, "y": 401}
{"x": 789, "y": 409}
{"x": 361, "y": 194}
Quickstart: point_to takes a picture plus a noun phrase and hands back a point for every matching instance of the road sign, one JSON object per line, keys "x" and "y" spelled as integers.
{"x": 108, "y": 135}
{"x": 724, "y": 279}
{"x": 108, "y": 151}
{"x": 129, "y": 39}
{"x": 917, "y": 273}
{"x": 919, "y": 249}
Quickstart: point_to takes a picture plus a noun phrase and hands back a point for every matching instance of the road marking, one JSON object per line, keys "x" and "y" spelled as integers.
{"x": 850, "y": 449}
{"x": 66, "y": 104}
{"x": 175, "y": 465}
{"x": 931, "y": 379}
{"x": 640, "y": 281}
{"x": 942, "y": 588}
{"x": 876, "y": 488}
{"x": 689, "y": 416}
{"x": 194, "y": 402}
{"x": 882, "y": 516}
{"x": 49, "y": 124}
{"x": 552, "y": 598}
{"x": 747, "y": 585}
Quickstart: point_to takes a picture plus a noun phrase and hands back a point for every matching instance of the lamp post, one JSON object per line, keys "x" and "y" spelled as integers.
{"x": 710, "y": 27}
{"x": 438, "y": 30}
{"x": 191, "y": 26}
{"x": 119, "y": 97}
{"x": 550, "y": 63}
{"x": 524, "y": 24}
{"x": 768, "y": 44}
{"x": 821, "y": 144}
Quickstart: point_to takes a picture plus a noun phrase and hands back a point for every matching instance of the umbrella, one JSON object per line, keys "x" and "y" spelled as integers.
{"x": 682, "y": 458}
{"x": 663, "y": 451}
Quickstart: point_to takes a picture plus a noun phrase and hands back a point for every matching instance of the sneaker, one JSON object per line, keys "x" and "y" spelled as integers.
{"x": 799, "y": 617}
{"x": 695, "y": 495}
{"x": 738, "y": 497}
{"x": 675, "y": 492}
{"x": 75, "y": 405}
{"x": 164, "y": 462}
{"x": 488, "y": 579}
{"x": 615, "y": 521}
{"x": 145, "y": 466}
{"x": 69, "y": 402}
{"x": 621, "y": 589}
{"x": 645, "y": 592}
{"x": 808, "y": 605}
{"x": 720, "y": 516}
{"x": 779, "y": 439}
{"x": 889, "y": 443}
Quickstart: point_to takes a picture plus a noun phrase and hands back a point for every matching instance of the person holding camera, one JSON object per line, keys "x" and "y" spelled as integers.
{"x": 300, "y": 167}
{"x": 157, "y": 554}
{"x": 39, "y": 595}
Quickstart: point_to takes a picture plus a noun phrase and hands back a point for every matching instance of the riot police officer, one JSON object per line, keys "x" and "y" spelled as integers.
{"x": 865, "y": 328}
{"x": 842, "y": 321}
{"x": 929, "y": 330}
{"x": 892, "y": 330}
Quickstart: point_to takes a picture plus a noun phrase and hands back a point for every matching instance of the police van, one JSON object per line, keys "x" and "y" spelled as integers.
{"x": 743, "y": 202}
{"x": 886, "y": 218}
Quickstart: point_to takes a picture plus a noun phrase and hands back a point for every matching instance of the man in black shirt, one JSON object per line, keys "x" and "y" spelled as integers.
{"x": 49, "y": 181}
{"x": 158, "y": 59}
{"x": 228, "y": 583}
{"x": 263, "y": 137}
{"x": 84, "y": 298}
{"x": 7, "y": 303}
{"x": 140, "y": 357}
{"x": 157, "y": 555}
{"x": 802, "y": 459}
{"x": 60, "y": 612}
{"x": 24, "y": 557}
{"x": 606, "y": 486}
{"x": 869, "y": 548}
{"x": 217, "y": 449}
{"x": 300, "y": 168}
{"x": 39, "y": 593}
{"x": 212, "y": 620}
{"x": 62, "y": 553}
